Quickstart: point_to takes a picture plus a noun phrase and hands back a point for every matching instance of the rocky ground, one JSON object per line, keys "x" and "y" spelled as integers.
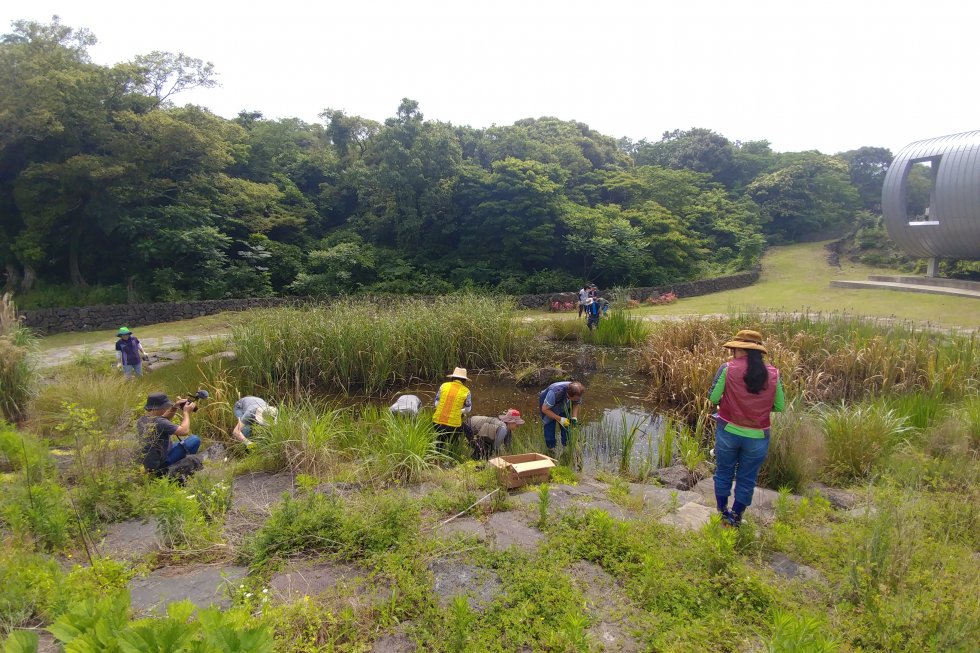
{"x": 610, "y": 610}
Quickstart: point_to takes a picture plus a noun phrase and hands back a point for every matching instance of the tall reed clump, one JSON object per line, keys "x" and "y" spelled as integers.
{"x": 859, "y": 437}
{"x": 797, "y": 451}
{"x": 360, "y": 345}
{"x": 619, "y": 329}
{"x": 403, "y": 449}
{"x": 18, "y": 362}
{"x": 823, "y": 358}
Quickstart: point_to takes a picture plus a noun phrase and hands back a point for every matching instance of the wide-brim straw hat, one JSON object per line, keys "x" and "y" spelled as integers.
{"x": 265, "y": 415}
{"x": 459, "y": 373}
{"x": 747, "y": 339}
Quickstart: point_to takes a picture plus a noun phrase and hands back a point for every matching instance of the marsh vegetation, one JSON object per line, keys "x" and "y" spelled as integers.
{"x": 885, "y": 415}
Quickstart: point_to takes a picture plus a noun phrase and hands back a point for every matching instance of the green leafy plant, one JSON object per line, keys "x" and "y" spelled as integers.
{"x": 460, "y": 622}
{"x": 182, "y": 524}
{"x": 799, "y": 633}
{"x": 858, "y": 437}
{"x": 544, "y": 501}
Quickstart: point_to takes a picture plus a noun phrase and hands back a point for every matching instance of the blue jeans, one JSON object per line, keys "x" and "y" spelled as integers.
{"x": 181, "y": 450}
{"x": 130, "y": 370}
{"x": 550, "y": 428}
{"x": 737, "y": 458}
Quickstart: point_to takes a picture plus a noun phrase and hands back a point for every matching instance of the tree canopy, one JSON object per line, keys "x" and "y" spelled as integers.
{"x": 106, "y": 181}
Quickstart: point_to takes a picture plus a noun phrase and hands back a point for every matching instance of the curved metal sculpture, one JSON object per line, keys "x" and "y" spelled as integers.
{"x": 950, "y": 225}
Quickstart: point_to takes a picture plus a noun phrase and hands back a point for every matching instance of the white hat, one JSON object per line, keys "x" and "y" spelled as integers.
{"x": 459, "y": 373}
{"x": 264, "y": 415}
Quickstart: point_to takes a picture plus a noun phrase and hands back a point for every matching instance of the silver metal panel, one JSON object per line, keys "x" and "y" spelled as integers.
{"x": 953, "y": 227}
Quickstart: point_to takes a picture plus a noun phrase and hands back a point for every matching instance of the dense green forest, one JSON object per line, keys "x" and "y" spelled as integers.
{"x": 111, "y": 191}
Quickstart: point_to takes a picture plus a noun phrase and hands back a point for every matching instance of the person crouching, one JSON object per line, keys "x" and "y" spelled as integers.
{"x": 156, "y": 427}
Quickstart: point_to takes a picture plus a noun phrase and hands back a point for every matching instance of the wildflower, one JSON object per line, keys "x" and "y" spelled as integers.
{"x": 265, "y": 591}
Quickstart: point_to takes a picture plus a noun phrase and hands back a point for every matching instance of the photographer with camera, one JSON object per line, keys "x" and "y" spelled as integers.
{"x": 156, "y": 427}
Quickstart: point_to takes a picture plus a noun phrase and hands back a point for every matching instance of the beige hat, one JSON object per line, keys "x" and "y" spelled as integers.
{"x": 747, "y": 339}
{"x": 459, "y": 373}
{"x": 264, "y": 415}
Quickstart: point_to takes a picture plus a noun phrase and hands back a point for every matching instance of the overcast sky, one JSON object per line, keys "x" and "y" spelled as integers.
{"x": 830, "y": 75}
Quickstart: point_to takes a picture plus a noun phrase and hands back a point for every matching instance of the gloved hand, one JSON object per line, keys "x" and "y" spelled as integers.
{"x": 574, "y": 421}
{"x": 249, "y": 445}
{"x": 564, "y": 421}
{"x": 146, "y": 358}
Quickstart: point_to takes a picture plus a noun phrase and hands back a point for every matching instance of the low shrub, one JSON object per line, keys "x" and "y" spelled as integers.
{"x": 23, "y": 452}
{"x": 794, "y": 633}
{"x": 182, "y": 524}
{"x": 858, "y": 438}
{"x": 37, "y": 510}
{"x": 29, "y": 587}
{"x": 323, "y": 523}
{"x": 18, "y": 363}
{"x": 797, "y": 451}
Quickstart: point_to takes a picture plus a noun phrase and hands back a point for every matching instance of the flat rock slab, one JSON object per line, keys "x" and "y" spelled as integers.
{"x": 689, "y": 517}
{"x": 452, "y": 578}
{"x": 221, "y": 355}
{"x": 508, "y": 529}
{"x": 259, "y": 491}
{"x": 608, "y": 606}
{"x": 397, "y": 642}
{"x": 838, "y": 498}
{"x": 463, "y": 527}
{"x": 663, "y": 498}
{"x": 787, "y": 568}
{"x": 130, "y": 539}
{"x": 763, "y": 499}
{"x": 327, "y": 580}
{"x": 676, "y": 477}
{"x": 203, "y": 586}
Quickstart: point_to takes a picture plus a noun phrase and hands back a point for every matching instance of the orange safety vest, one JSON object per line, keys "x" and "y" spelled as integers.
{"x": 452, "y": 396}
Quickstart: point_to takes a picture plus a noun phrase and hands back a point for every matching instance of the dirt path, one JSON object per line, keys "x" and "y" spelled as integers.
{"x": 64, "y": 355}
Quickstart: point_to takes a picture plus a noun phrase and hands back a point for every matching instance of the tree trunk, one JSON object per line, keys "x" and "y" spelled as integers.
{"x": 73, "y": 269}
{"x": 13, "y": 278}
{"x": 27, "y": 282}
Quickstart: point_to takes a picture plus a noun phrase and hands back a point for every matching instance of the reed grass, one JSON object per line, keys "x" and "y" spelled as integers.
{"x": 823, "y": 358}
{"x": 859, "y": 437}
{"x": 18, "y": 362}
{"x": 797, "y": 451}
{"x": 365, "y": 346}
{"x": 619, "y": 329}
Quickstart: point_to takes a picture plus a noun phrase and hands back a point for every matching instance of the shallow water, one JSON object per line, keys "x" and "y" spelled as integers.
{"x": 614, "y": 406}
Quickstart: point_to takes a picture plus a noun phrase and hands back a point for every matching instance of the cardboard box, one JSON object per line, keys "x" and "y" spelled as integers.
{"x": 522, "y": 469}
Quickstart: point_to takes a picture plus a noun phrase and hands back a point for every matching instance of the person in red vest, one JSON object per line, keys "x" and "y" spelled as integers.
{"x": 746, "y": 390}
{"x": 452, "y": 402}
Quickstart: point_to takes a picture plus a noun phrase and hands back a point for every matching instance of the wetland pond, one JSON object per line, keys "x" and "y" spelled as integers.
{"x": 615, "y": 415}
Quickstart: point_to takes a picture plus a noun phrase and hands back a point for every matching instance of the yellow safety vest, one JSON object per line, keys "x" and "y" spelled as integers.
{"x": 452, "y": 396}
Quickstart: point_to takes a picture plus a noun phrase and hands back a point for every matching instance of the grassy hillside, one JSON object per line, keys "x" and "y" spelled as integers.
{"x": 797, "y": 277}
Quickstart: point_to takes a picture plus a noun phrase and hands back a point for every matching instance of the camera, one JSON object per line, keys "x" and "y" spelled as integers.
{"x": 195, "y": 396}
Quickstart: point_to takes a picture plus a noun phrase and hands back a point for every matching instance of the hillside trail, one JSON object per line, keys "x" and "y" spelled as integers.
{"x": 64, "y": 355}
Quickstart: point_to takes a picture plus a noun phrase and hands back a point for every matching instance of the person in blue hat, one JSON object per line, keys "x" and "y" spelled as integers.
{"x": 129, "y": 353}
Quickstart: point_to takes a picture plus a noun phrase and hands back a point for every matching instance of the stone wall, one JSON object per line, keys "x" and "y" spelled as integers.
{"x": 48, "y": 321}
{"x": 681, "y": 289}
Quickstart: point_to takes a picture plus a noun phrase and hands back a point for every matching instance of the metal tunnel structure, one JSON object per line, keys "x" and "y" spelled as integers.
{"x": 949, "y": 225}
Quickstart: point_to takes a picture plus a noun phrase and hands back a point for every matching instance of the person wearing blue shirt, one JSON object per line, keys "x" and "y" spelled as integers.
{"x": 559, "y": 404}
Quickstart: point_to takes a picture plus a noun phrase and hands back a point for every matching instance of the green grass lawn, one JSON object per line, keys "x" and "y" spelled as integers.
{"x": 797, "y": 277}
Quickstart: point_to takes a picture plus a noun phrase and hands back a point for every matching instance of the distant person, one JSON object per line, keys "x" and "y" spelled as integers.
{"x": 489, "y": 435}
{"x": 156, "y": 427}
{"x": 249, "y": 411}
{"x": 593, "y": 313}
{"x": 559, "y": 404}
{"x": 408, "y": 405}
{"x": 452, "y": 402}
{"x": 129, "y": 353}
{"x": 583, "y": 295}
{"x": 746, "y": 390}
